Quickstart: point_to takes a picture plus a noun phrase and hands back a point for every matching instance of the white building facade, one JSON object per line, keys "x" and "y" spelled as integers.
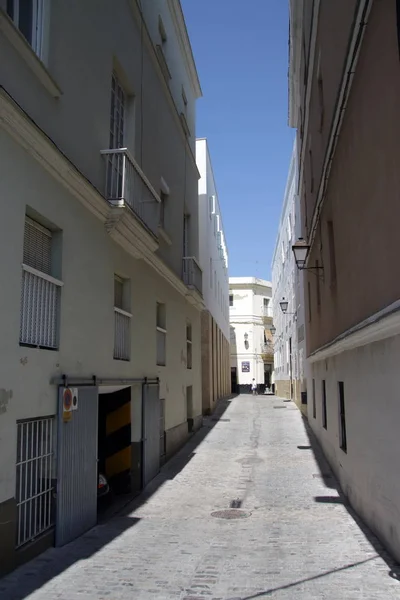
{"x": 101, "y": 314}
{"x": 250, "y": 315}
{"x": 213, "y": 255}
{"x": 288, "y": 285}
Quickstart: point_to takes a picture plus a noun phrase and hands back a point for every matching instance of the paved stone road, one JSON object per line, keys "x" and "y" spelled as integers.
{"x": 297, "y": 541}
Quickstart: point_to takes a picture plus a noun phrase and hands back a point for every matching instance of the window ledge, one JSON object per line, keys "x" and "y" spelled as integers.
{"x": 21, "y": 45}
{"x": 164, "y": 235}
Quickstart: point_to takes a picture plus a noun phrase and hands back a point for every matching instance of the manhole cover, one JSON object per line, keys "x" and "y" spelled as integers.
{"x": 230, "y": 513}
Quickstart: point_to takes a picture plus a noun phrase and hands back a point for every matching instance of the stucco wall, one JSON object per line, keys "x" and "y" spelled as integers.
{"x": 86, "y": 42}
{"x": 89, "y": 261}
{"x": 368, "y": 472}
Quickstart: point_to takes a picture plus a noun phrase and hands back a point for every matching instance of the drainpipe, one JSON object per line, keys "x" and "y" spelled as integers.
{"x": 356, "y": 38}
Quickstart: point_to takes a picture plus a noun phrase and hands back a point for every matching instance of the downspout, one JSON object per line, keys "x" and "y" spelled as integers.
{"x": 360, "y": 22}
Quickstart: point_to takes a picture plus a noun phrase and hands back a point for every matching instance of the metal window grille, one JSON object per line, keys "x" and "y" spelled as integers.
{"x": 115, "y": 166}
{"x": 34, "y": 478}
{"x": 161, "y": 347}
{"x": 342, "y": 418}
{"x": 188, "y": 345}
{"x": 40, "y": 292}
{"x": 118, "y": 292}
{"x": 122, "y": 338}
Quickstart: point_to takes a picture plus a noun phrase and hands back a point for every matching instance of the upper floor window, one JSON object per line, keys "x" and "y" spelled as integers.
{"x": 230, "y": 299}
{"x": 161, "y": 334}
{"x": 188, "y": 345}
{"x": 117, "y": 115}
{"x": 28, "y": 17}
{"x": 122, "y": 319}
{"x": 40, "y": 298}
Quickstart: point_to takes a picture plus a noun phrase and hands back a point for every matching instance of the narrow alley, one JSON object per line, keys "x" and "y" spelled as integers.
{"x": 292, "y": 536}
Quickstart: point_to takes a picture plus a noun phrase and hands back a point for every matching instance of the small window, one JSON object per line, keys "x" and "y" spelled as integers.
{"x": 189, "y": 345}
{"x": 163, "y": 198}
{"x": 122, "y": 319}
{"x": 342, "y": 419}
{"x": 318, "y": 286}
{"x": 40, "y": 298}
{"x": 332, "y": 254}
{"x": 161, "y": 333}
{"x": 28, "y": 16}
{"x": 162, "y": 31}
{"x": 314, "y": 403}
{"x": 230, "y": 299}
{"x": 324, "y": 415}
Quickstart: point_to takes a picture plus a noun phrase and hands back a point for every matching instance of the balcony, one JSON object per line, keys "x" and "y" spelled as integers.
{"x": 192, "y": 274}
{"x": 127, "y": 185}
{"x": 267, "y": 353}
{"x": 267, "y": 316}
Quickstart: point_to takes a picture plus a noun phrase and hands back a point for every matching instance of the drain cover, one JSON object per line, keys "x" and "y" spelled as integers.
{"x": 230, "y": 513}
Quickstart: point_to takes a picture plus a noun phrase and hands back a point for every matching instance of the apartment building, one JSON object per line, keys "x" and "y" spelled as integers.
{"x": 250, "y": 315}
{"x": 101, "y": 302}
{"x": 290, "y": 373}
{"x": 344, "y": 98}
{"x": 213, "y": 252}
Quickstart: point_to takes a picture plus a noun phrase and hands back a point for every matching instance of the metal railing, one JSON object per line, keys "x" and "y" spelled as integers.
{"x": 122, "y": 337}
{"x": 192, "y": 273}
{"x": 127, "y": 184}
{"x": 34, "y": 478}
{"x": 39, "y": 309}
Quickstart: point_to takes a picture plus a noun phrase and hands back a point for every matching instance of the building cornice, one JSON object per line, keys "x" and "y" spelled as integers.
{"x": 379, "y": 326}
{"x": 184, "y": 41}
{"x": 119, "y": 222}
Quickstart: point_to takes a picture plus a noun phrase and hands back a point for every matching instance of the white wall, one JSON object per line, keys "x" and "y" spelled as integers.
{"x": 214, "y": 266}
{"x": 89, "y": 260}
{"x": 368, "y": 472}
{"x": 246, "y": 317}
{"x": 288, "y": 283}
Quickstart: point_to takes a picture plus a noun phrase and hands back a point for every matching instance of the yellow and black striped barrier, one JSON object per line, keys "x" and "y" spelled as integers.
{"x": 118, "y": 439}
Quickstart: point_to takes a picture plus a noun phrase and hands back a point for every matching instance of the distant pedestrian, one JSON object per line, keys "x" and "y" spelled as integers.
{"x": 254, "y": 387}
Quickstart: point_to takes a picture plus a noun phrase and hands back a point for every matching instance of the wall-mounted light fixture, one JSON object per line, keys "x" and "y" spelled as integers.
{"x": 284, "y": 306}
{"x": 300, "y": 251}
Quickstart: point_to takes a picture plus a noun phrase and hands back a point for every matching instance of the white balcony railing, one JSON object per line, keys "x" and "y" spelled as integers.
{"x": 127, "y": 184}
{"x": 39, "y": 309}
{"x": 122, "y": 337}
{"x": 192, "y": 273}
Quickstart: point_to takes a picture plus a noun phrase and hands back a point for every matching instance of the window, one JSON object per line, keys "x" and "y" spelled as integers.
{"x": 161, "y": 331}
{"x": 314, "y": 403}
{"x": 163, "y": 198}
{"x": 162, "y": 31}
{"x": 230, "y": 299}
{"x": 342, "y": 419}
{"x": 266, "y": 307}
{"x": 117, "y": 130}
{"x": 162, "y": 430}
{"x": 40, "y": 297}
{"x": 188, "y": 345}
{"x": 324, "y": 415}
{"x": 318, "y": 286}
{"x": 122, "y": 319}
{"x": 34, "y": 478}
{"x": 28, "y": 17}
{"x": 332, "y": 254}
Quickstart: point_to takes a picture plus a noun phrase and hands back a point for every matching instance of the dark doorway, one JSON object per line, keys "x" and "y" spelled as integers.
{"x": 234, "y": 386}
{"x": 114, "y": 439}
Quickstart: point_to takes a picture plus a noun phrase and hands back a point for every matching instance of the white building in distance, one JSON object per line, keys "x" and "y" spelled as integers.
{"x": 287, "y": 285}
{"x": 250, "y": 310}
{"x": 213, "y": 255}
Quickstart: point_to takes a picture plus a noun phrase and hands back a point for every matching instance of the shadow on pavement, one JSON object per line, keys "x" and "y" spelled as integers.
{"x": 332, "y": 483}
{"x": 35, "y": 574}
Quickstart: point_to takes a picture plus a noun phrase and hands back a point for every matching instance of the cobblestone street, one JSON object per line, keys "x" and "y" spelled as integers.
{"x": 296, "y": 538}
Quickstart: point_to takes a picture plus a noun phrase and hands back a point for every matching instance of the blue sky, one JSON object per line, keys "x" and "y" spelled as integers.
{"x": 241, "y": 53}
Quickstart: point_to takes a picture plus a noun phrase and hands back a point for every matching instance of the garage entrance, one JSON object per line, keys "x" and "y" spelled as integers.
{"x": 114, "y": 438}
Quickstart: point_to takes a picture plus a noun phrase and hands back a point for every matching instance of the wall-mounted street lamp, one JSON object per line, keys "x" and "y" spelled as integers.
{"x": 300, "y": 251}
{"x": 284, "y": 306}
